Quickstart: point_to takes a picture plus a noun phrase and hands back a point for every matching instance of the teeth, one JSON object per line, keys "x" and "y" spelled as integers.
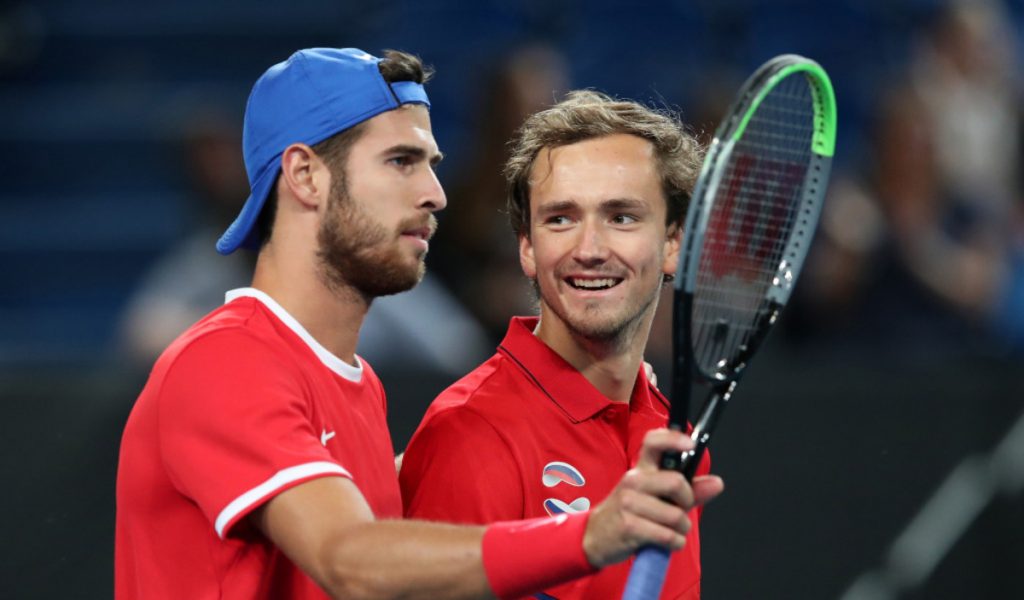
{"x": 593, "y": 284}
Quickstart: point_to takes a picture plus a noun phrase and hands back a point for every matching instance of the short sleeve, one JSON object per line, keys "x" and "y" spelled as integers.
{"x": 458, "y": 469}
{"x": 235, "y": 428}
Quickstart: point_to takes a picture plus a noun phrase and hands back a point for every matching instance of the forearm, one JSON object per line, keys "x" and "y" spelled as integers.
{"x": 326, "y": 527}
{"x": 405, "y": 559}
{"x": 418, "y": 559}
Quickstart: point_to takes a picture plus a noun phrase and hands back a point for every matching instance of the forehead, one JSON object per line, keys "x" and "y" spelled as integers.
{"x": 408, "y": 124}
{"x": 619, "y": 165}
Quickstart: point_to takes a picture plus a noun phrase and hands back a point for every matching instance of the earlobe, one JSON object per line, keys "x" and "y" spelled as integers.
{"x": 526, "y": 260}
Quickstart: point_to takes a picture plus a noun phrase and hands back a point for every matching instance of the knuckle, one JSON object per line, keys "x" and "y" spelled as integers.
{"x": 630, "y": 526}
{"x": 668, "y": 538}
{"x": 628, "y": 500}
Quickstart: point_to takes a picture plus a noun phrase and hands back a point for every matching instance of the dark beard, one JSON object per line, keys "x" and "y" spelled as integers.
{"x": 354, "y": 251}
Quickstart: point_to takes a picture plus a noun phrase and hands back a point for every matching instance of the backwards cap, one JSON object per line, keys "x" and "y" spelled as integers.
{"x": 308, "y": 98}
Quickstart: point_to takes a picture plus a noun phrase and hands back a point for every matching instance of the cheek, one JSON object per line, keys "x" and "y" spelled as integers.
{"x": 642, "y": 252}
{"x": 550, "y": 259}
{"x": 545, "y": 267}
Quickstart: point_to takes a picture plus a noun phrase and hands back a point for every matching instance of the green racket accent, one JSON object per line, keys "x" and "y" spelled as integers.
{"x": 823, "y": 141}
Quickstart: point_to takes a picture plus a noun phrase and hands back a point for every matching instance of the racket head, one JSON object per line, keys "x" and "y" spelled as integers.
{"x": 752, "y": 216}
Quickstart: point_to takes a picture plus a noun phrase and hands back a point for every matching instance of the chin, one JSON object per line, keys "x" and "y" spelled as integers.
{"x": 404, "y": 280}
{"x": 596, "y": 329}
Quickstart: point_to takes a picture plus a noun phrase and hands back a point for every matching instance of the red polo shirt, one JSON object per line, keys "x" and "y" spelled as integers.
{"x": 526, "y": 435}
{"x": 244, "y": 405}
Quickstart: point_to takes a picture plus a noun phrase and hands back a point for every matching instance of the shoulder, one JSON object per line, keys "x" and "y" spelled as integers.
{"x": 490, "y": 390}
{"x": 238, "y": 329}
{"x": 234, "y": 348}
{"x": 472, "y": 408}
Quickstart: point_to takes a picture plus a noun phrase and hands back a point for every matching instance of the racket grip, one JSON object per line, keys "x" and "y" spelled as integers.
{"x": 647, "y": 576}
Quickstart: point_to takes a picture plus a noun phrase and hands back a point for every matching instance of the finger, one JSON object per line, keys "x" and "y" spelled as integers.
{"x": 668, "y": 485}
{"x": 657, "y": 509}
{"x": 651, "y": 520}
{"x": 659, "y": 441}
{"x": 706, "y": 488}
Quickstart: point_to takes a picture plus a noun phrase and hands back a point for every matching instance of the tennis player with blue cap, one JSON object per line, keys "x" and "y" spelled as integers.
{"x": 257, "y": 462}
{"x": 288, "y": 105}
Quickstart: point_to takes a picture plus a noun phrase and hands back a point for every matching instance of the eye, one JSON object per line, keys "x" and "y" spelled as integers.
{"x": 402, "y": 160}
{"x": 624, "y": 219}
{"x": 557, "y": 220}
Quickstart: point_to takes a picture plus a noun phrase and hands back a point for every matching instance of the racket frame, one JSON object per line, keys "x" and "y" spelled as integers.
{"x": 685, "y": 367}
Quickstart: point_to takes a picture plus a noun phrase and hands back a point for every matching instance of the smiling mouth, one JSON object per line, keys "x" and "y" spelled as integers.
{"x": 591, "y": 284}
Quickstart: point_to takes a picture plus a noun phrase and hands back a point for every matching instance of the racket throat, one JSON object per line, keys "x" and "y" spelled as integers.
{"x": 704, "y": 427}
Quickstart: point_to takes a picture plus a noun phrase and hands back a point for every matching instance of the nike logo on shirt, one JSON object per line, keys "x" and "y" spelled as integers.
{"x": 324, "y": 436}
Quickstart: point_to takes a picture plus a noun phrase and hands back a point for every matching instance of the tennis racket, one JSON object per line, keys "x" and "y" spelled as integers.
{"x": 748, "y": 227}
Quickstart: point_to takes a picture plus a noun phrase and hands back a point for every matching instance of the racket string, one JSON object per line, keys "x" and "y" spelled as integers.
{"x": 754, "y": 214}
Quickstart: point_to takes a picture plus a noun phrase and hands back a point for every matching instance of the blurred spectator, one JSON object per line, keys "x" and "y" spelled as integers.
{"x": 918, "y": 253}
{"x": 477, "y": 252}
{"x": 190, "y": 279}
{"x": 424, "y": 329}
{"x": 965, "y": 71}
{"x": 903, "y": 264}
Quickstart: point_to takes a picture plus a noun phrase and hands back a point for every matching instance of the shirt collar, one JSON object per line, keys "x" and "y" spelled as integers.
{"x": 353, "y": 373}
{"x": 559, "y": 380}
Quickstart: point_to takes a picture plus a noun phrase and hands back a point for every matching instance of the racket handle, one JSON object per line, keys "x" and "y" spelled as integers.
{"x": 647, "y": 576}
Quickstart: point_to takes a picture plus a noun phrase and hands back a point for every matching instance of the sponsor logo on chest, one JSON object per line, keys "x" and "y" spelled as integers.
{"x": 558, "y": 473}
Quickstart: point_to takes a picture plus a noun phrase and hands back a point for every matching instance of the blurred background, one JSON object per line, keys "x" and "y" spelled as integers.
{"x": 899, "y": 362}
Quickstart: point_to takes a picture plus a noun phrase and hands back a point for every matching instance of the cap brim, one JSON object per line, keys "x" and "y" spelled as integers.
{"x": 242, "y": 233}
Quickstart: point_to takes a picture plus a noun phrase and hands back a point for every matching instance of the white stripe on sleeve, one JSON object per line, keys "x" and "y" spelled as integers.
{"x": 277, "y": 481}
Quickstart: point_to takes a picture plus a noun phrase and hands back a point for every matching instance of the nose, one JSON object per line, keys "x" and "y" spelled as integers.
{"x": 591, "y": 247}
{"x": 432, "y": 195}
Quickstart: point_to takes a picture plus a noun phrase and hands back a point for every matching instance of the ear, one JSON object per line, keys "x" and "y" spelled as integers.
{"x": 673, "y": 241}
{"x": 526, "y": 260}
{"x": 305, "y": 176}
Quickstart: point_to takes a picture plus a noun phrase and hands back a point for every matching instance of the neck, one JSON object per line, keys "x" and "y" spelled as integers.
{"x": 332, "y": 315}
{"x": 610, "y": 365}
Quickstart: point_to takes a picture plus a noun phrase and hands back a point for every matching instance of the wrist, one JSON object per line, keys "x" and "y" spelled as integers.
{"x": 523, "y": 557}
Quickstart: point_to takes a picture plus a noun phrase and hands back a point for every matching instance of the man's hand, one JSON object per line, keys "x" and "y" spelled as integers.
{"x": 648, "y": 506}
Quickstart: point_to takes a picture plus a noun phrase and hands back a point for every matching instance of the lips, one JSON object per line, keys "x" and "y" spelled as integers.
{"x": 419, "y": 230}
{"x": 423, "y": 233}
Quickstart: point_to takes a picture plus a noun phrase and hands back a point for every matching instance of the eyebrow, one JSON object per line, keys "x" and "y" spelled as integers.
{"x": 612, "y": 204}
{"x": 416, "y": 152}
{"x": 623, "y": 204}
{"x": 555, "y": 207}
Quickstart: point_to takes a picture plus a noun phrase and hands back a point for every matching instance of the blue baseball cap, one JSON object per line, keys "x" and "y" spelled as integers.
{"x": 313, "y": 95}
